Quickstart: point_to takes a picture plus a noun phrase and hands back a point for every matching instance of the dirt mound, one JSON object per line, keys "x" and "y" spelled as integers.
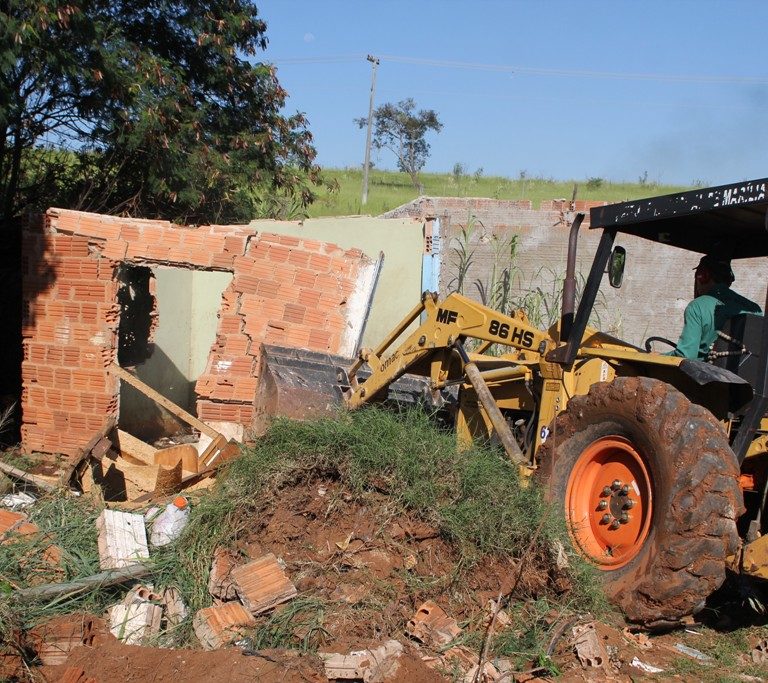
{"x": 371, "y": 567}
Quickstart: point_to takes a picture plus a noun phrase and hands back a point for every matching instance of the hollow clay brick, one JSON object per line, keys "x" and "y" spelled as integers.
{"x": 319, "y": 340}
{"x": 309, "y": 298}
{"x": 315, "y": 319}
{"x": 115, "y": 250}
{"x": 431, "y": 625}
{"x": 193, "y": 239}
{"x": 234, "y": 245}
{"x": 327, "y": 282}
{"x": 236, "y": 344}
{"x": 247, "y": 284}
{"x": 15, "y": 523}
{"x": 289, "y": 240}
{"x": 217, "y": 626}
{"x": 230, "y": 324}
{"x": 319, "y": 263}
{"x": 262, "y": 584}
{"x": 278, "y": 253}
{"x": 172, "y": 237}
{"x": 304, "y": 278}
{"x": 298, "y": 337}
{"x": 130, "y": 233}
{"x": 268, "y": 288}
{"x": 294, "y": 313}
{"x": 136, "y": 623}
{"x": 263, "y": 269}
{"x": 299, "y": 259}
{"x": 220, "y": 584}
{"x": 54, "y": 639}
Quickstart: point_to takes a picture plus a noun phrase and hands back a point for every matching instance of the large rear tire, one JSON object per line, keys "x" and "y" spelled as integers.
{"x": 649, "y": 488}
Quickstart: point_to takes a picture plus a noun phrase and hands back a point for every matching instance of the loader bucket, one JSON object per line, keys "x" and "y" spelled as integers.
{"x": 303, "y": 384}
{"x": 296, "y": 383}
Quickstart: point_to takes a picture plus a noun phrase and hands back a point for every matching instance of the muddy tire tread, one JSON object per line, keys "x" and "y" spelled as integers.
{"x": 696, "y": 532}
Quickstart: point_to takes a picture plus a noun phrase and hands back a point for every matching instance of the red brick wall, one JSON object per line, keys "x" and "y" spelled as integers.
{"x": 69, "y": 329}
{"x": 284, "y": 290}
{"x": 288, "y": 291}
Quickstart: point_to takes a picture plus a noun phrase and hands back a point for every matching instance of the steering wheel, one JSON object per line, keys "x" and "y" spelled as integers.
{"x": 650, "y": 340}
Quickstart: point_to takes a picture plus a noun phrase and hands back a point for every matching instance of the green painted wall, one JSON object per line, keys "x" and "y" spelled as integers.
{"x": 188, "y": 302}
{"x": 207, "y": 287}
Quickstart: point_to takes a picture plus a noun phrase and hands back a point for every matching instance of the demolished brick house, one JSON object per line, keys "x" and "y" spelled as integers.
{"x": 90, "y": 300}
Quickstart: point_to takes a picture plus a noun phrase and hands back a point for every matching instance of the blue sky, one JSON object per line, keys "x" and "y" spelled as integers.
{"x": 568, "y": 90}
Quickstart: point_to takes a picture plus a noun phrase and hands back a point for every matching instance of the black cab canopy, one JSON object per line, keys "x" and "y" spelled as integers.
{"x": 728, "y": 220}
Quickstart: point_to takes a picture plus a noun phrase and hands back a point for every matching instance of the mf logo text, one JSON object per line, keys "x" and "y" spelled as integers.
{"x": 446, "y": 315}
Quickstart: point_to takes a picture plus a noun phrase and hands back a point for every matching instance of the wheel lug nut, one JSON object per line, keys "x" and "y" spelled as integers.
{"x": 614, "y": 524}
{"x": 606, "y": 491}
{"x": 625, "y": 489}
{"x": 629, "y": 504}
{"x": 616, "y": 485}
{"x": 605, "y": 519}
{"x": 602, "y": 505}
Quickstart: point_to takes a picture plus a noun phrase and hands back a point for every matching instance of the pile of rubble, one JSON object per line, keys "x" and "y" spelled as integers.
{"x": 368, "y": 570}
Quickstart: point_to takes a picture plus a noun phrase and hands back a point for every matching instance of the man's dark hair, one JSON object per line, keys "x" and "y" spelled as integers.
{"x": 719, "y": 268}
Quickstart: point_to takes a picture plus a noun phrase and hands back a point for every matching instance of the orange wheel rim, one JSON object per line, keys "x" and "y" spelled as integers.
{"x": 609, "y": 502}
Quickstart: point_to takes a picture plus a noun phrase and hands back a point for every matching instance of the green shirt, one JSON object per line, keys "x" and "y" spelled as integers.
{"x": 705, "y": 316}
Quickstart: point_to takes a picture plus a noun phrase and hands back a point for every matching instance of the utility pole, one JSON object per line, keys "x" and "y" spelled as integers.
{"x": 374, "y": 63}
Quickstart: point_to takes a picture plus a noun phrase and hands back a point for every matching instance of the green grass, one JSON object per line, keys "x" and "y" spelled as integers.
{"x": 303, "y": 616}
{"x": 69, "y": 524}
{"x": 527, "y": 638}
{"x": 727, "y": 651}
{"x": 389, "y": 189}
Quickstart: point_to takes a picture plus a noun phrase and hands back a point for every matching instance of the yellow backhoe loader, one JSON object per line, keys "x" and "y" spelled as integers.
{"x": 659, "y": 464}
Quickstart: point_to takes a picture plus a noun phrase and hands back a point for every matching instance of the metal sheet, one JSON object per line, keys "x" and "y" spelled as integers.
{"x": 729, "y": 220}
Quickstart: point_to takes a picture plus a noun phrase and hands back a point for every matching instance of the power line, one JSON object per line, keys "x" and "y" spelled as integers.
{"x": 317, "y": 60}
{"x": 533, "y": 71}
{"x": 537, "y": 100}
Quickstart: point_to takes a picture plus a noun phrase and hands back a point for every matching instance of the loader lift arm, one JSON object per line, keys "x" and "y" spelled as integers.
{"x": 435, "y": 348}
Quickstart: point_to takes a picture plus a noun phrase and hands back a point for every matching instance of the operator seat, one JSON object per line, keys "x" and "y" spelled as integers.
{"x": 738, "y": 346}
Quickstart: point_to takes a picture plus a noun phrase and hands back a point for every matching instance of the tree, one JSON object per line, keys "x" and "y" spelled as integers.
{"x": 402, "y": 130}
{"x": 145, "y": 107}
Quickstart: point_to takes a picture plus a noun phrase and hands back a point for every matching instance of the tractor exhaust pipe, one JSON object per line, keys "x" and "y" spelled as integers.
{"x": 569, "y": 285}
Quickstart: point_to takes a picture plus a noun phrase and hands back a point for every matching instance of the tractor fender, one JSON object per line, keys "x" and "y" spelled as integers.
{"x": 704, "y": 374}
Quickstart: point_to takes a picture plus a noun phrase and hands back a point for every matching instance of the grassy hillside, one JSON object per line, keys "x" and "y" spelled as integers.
{"x": 387, "y": 190}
